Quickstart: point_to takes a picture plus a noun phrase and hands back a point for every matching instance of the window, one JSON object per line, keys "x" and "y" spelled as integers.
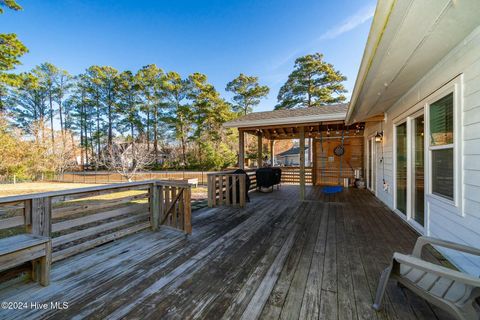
{"x": 401, "y": 168}
{"x": 442, "y": 146}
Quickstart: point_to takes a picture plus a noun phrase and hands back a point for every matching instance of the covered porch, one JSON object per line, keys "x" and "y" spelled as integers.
{"x": 334, "y": 150}
{"x": 277, "y": 258}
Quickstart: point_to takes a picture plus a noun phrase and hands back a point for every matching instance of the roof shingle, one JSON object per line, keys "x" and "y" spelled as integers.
{"x": 290, "y": 115}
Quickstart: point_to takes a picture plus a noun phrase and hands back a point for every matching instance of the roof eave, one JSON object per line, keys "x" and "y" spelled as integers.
{"x": 286, "y": 121}
{"x": 379, "y": 23}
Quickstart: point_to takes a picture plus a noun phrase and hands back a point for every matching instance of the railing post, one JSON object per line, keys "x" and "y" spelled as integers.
{"x": 161, "y": 208}
{"x": 210, "y": 190}
{"x": 228, "y": 189}
{"x": 220, "y": 189}
{"x": 154, "y": 206}
{"x": 187, "y": 207}
{"x": 243, "y": 191}
{"x": 41, "y": 212}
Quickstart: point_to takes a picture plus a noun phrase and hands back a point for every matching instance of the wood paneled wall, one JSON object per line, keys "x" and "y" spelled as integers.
{"x": 326, "y": 165}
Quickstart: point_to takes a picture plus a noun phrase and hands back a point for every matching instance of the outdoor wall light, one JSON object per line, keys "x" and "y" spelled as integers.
{"x": 379, "y": 136}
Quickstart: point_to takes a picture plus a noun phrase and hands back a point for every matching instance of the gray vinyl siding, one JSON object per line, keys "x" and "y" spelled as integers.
{"x": 460, "y": 224}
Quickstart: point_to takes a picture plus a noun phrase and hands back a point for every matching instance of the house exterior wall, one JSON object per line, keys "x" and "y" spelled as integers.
{"x": 460, "y": 222}
{"x": 292, "y": 159}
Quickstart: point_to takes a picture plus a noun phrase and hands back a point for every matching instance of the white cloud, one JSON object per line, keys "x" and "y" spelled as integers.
{"x": 360, "y": 17}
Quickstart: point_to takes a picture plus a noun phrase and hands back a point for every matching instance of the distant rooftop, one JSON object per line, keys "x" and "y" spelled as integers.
{"x": 292, "y": 151}
{"x": 325, "y": 113}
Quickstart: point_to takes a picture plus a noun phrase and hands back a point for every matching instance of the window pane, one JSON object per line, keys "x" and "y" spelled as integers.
{"x": 418, "y": 170}
{"x": 442, "y": 172}
{"x": 402, "y": 168}
{"x": 441, "y": 121}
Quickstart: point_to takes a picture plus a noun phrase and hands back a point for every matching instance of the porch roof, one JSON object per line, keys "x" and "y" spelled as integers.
{"x": 319, "y": 114}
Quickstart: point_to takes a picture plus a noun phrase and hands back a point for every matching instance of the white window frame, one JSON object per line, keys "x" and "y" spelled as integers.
{"x": 411, "y": 177}
{"x": 395, "y": 125}
{"x": 455, "y": 86}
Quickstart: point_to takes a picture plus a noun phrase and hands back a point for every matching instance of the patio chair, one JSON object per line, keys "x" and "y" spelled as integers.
{"x": 453, "y": 291}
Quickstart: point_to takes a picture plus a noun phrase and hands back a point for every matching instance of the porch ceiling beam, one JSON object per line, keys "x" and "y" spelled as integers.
{"x": 286, "y": 125}
{"x": 377, "y": 118}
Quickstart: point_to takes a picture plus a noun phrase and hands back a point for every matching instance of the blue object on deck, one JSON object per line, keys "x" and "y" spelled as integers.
{"x": 332, "y": 189}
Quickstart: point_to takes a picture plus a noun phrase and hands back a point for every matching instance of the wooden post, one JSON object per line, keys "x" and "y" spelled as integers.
{"x": 313, "y": 164}
{"x": 154, "y": 206}
{"x": 243, "y": 190}
{"x": 272, "y": 152}
{"x": 44, "y": 265}
{"x": 210, "y": 190}
{"x": 41, "y": 216}
{"x": 302, "y": 162}
{"x": 188, "y": 210}
{"x": 241, "y": 149}
{"x": 259, "y": 149}
{"x": 221, "y": 179}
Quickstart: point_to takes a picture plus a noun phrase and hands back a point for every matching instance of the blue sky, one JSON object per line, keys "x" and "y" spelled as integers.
{"x": 218, "y": 38}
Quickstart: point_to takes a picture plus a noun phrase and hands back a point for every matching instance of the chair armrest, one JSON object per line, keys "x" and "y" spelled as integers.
{"x": 436, "y": 269}
{"x": 422, "y": 241}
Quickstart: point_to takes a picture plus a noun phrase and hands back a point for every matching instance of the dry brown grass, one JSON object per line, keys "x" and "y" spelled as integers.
{"x": 37, "y": 187}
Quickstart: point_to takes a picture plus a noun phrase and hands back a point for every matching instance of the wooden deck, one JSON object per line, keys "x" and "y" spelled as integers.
{"x": 276, "y": 259}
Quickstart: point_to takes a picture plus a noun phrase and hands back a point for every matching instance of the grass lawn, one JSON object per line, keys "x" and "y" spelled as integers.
{"x": 36, "y": 187}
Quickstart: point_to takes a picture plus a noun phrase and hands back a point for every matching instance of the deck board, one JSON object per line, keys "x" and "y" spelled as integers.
{"x": 278, "y": 258}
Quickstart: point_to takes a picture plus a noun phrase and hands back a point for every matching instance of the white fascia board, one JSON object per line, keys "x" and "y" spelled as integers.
{"x": 379, "y": 23}
{"x": 286, "y": 121}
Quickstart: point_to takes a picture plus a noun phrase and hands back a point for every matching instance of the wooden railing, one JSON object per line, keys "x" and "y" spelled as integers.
{"x": 80, "y": 219}
{"x": 226, "y": 188}
{"x": 291, "y": 175}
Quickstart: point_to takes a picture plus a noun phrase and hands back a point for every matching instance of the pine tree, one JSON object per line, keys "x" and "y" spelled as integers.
{"x": 313, "y": 82}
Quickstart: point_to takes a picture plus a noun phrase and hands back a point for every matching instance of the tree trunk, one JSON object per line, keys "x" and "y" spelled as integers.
{"x": 98, "y": 131}
{"x": 148, "y": 128}
{"x": 51, "y": 122}
{"x": 155, "y": 133}
{"x": 133, "y": 147}
{"x": 110, "y": 134}
{"x": 182, "y": 139}
{"x": 61, "y": 116}
{"x": 82, "y": 148}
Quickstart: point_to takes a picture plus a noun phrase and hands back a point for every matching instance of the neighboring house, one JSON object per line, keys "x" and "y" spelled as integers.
{"x": 421, "y": 72}
{"x": 291, "y": 157}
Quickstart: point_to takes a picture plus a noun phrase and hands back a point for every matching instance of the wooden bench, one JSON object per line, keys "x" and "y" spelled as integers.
{"x": 192, "y": 181}
{"x": 27, "y": 247}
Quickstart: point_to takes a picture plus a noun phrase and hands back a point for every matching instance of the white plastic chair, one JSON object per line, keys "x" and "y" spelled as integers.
{"x": 453, "y": 291}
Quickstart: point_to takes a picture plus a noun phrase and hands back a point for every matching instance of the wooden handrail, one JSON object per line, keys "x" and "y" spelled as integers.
{"x": 90, "y": 189}
{"x": 47, "y": 213}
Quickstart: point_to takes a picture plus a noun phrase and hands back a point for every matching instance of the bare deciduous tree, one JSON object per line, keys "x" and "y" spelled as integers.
{"x": 126, "y": 158}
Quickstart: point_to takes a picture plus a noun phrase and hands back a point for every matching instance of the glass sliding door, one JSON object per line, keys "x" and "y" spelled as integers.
{"x": 418, "y": 170}
{"x": 401, "y": 168}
